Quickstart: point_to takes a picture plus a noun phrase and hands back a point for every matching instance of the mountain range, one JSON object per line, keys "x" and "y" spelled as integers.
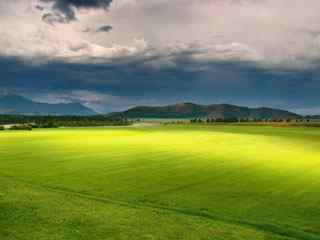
{"x": 16, "y": 104}
{"x": 191, "y": 110}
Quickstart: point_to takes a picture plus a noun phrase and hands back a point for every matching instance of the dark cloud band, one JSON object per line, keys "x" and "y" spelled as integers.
{"x": 106, "y": 28}
{"x": 64, "y": 10}
{"x": 212, "y": 81}
{"x": 62, "y": 4}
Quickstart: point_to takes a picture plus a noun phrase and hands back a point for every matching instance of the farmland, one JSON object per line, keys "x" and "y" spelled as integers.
{"x": 161, "y": 182}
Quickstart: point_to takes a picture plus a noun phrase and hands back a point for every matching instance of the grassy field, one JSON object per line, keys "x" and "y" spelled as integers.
{"x": 160, "y": 182}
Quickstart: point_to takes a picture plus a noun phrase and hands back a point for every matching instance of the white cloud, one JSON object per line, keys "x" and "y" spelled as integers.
{"x": 24, "y": 34}
{"x": 274, "y": 33}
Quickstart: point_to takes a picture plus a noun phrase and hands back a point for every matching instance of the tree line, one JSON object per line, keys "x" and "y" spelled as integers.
{"x": 23, "y": 122}
{"x": 248, "y": 120}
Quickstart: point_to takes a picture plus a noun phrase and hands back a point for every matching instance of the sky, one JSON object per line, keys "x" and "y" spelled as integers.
{"x": 114, "y": 54}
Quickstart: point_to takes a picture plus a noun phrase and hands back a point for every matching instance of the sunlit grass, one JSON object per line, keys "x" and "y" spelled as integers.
{"x": 226, "y": 181}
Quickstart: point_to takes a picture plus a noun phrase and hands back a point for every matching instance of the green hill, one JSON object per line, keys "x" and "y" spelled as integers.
{"x": 191, "y": 110}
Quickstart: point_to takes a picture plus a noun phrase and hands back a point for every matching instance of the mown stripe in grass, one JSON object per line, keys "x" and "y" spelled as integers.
{"x": 288, "y": 231}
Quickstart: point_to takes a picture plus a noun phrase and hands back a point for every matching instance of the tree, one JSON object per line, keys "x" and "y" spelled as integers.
{"x": 21, "y": 127}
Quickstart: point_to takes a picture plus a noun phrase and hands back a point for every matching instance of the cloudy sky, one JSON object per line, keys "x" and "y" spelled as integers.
{"x": 114, "y": 54}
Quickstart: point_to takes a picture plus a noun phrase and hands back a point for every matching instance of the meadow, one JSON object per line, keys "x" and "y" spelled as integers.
{"x": 161, "y": 182}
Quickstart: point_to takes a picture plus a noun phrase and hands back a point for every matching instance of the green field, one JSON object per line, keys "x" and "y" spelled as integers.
{"x": 160, "y": 182}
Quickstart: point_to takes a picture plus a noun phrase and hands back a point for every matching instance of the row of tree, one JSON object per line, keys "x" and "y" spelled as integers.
{"x": 18, "y": 127}
{"x": 235, "y": 120}
{"x": 62, "y": 121}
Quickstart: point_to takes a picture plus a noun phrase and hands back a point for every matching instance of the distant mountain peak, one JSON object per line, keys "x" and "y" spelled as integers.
{"x": 16, "y": 104}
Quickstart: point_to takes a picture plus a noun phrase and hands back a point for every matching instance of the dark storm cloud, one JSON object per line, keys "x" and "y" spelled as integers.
{"x": 106, "y": 28}
{"x": 206, "y": 81}
{"x": 65, "y": 9}
{"x": 102, "y": 29}
{"x": 86, "y": 3}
